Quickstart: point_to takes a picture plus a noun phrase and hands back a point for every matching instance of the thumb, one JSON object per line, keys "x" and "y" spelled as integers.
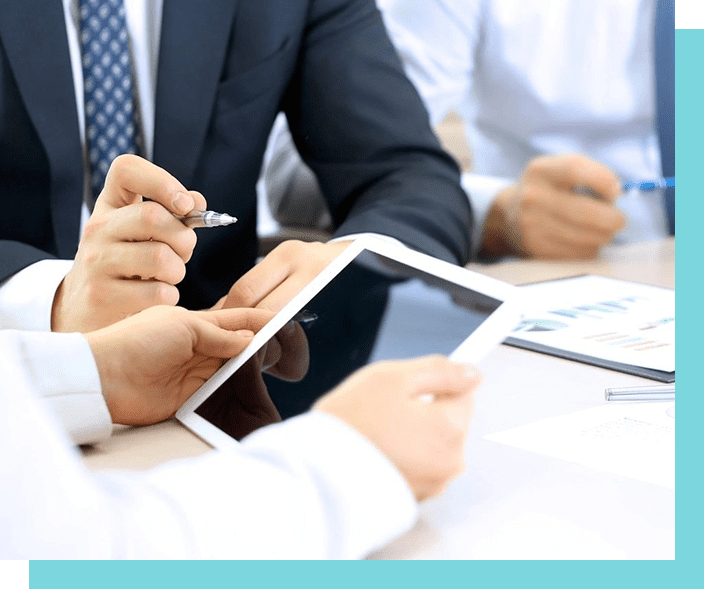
{"x": 214, "y": 342}
{"x": 441, "y": 378}
{"x": 225, "y": 333}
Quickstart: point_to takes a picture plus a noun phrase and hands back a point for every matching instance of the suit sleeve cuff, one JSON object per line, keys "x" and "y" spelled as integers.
{"x": 26, "y": 298}
{"x": 62, "y": 370}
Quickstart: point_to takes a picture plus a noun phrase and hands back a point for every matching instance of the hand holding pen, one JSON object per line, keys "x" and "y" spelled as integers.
{"x": 134, "y": 248}
{"x": 541, "y": 216}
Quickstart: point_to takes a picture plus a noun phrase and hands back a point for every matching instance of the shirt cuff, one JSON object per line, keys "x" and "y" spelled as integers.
{"x": 373, "y": 503}
{"x": 481, "y": 190}
{"x": 61, "y": 368}
{"x": 26, "y": 298}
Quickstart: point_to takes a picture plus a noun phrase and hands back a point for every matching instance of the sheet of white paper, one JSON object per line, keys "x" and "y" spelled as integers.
{"x": 602, "y": 317}
{"x": 636, "y": 440}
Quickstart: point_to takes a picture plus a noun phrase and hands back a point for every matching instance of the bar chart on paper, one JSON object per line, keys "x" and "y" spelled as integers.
{"x": 614, "y": 321}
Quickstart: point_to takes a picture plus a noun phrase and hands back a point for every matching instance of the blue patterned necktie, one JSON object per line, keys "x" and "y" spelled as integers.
{"x": 110, "y": 107}
{"x": 665, "y": 97}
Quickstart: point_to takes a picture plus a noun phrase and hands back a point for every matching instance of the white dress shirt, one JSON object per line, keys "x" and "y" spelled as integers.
{"x": 529, "y": 77}
{"x": 311, "y": 487}
{"x": 533, "y": 77}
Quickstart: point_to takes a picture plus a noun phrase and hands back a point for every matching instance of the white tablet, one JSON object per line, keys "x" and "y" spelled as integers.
{"x": 434, "y": 308}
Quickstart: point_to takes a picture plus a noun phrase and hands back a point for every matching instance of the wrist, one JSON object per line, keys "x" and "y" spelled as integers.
{"x": 500, "y": 236}
{"x": 109, "y": 371}
{"x": 56, "y": 324}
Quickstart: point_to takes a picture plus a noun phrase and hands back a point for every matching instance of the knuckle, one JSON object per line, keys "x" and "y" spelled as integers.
{"x": 291, "y": 249}
{"x": 161, "y": 254}
{"x": 529, "y": 195}
{"x": 243, "y": 292}
{"x": 152, "y": 213}
{"x": 93, "y": 227}
{"x": 164, "y": 294}
{"x": 188, "y": 244}
{"x": 179, "y": 272}
{"x": 90, "y": 258}
{"x": 120, "y": 165}
{"x": 436, "y": 362}
{"x": 536, "y": 166}
{"x": 573, "y": 163}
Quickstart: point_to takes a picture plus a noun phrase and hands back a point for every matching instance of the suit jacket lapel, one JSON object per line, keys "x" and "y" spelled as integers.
{"x": 34, "y": 35}
{"x": 194, "y": 36}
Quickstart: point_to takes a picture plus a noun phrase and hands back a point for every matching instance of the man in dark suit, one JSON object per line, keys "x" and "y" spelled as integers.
{"x": 225, "y": 69}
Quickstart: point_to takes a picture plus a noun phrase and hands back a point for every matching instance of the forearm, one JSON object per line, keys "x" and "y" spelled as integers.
{"x": 311, "y": 488}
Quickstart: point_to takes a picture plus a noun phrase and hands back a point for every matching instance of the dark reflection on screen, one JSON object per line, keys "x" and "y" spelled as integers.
{"x": 424, "y": 315}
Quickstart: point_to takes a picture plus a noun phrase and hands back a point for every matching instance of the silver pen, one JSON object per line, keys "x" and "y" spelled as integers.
{"x": 197, "y": 218}
{"x": 647, "y": 393}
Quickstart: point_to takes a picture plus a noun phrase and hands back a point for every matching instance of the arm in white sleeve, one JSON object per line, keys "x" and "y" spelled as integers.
{"x": 26, "y": 298}
{"x": 61, "y": 370}
{"x": 436, "y": 41}
{"x": 291, "y": 188}
{"x": 307, "y": 488}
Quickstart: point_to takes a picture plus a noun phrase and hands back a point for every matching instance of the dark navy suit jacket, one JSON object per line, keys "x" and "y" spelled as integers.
{"x": 226, "y": 68}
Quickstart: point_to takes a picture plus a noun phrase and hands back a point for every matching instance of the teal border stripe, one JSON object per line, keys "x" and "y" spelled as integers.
{"x": 349, "y": 575}
{"x": 689, "y": 93}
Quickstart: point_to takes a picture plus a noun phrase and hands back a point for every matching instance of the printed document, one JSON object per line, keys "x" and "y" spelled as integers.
{"x": 636, "y": 440}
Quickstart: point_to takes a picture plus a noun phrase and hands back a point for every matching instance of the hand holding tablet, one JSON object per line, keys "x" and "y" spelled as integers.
{"x": 386, "y": 403}
{"x": 461, "y": 315}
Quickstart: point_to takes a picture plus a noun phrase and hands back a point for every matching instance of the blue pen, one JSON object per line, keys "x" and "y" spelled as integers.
{"x": 648, "y": 185}
{"x": 644, "y": 185}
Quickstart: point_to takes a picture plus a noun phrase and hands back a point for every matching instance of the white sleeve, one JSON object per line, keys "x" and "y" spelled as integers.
{"x": 60, "y": 369}
{"x": 482, "y": 191}
{"x": 26, "y": 298}
{"x": 291, "y": 188}
{"x": 307, "y": 488}
{"x": 436, "y": 41}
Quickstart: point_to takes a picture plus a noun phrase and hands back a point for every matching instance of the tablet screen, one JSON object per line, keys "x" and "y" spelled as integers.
{"x": 424, "y": 314}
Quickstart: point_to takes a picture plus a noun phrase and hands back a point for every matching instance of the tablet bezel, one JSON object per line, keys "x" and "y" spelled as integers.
{"x": 492, "y": 331}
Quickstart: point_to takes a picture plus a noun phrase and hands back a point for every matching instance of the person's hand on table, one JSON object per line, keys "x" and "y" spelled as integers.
{"x": 150, "y": 363}
{"x": 543, "y": 216}
{"x": 417, "y": 412}
{"x": 132, "y": 252}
